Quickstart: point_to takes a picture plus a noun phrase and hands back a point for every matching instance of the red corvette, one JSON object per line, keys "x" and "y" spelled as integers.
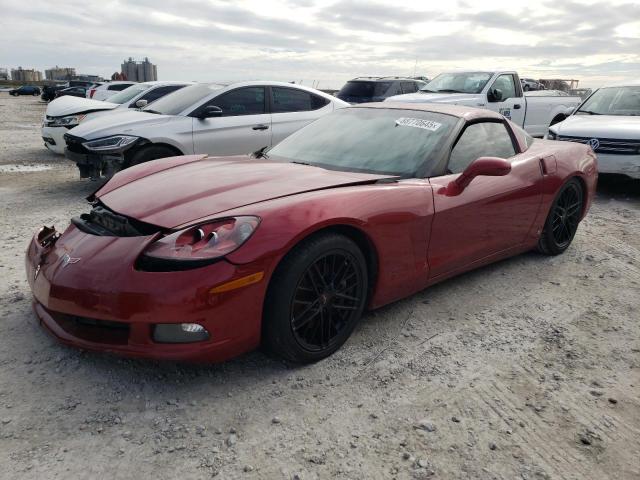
{"x": 198, "y": 258}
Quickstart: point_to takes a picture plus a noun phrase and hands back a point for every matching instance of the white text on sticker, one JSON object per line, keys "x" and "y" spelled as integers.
{"x": 418, "y": 123}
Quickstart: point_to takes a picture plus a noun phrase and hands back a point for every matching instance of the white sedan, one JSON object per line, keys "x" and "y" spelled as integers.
{"x": 67, "y": 112}
{"x": 209, "y": 118}
{"x": 608, "y": 121}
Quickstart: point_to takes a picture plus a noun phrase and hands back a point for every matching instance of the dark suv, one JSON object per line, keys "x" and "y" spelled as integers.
{"x": 376, "y": 89}
{"x": 25, "y": 90}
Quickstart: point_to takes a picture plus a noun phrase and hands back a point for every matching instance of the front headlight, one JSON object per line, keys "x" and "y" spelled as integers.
{"x": 198, "y": 245}
{"x": 551, "y": 135}
{"x": 117, "y": 143}
{"x": 68, "y": 121}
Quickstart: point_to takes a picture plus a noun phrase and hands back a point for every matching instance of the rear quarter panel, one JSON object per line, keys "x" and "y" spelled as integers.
{"x": 569, "y": 160}
{"x": 395, "y": 218}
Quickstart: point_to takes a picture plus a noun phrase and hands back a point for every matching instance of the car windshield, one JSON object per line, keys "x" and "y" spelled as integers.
{"x": 466, "y": 82}
{"x": 364, "y": 89}
{"x": 128, "y": 93}
{"x": 180, "y": 100}
{"x": 373, "y": 140}
{"x": 613, "y": 101}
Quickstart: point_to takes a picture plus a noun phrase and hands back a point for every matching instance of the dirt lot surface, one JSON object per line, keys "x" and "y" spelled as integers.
{"x": 527, "y": 369}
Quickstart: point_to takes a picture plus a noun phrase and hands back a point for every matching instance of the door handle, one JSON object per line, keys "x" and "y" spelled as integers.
{"x": 516, "y": 106}
{"x": 260, "y": 127}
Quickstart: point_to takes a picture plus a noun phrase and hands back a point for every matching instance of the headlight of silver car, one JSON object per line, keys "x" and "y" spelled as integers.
{"x": 68, "y": 121}
{"x": 115, "y": 144}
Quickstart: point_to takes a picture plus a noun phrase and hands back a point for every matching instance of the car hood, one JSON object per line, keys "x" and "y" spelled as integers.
{"x": 68, "y": 105}
{"x": 177, "y": 191}
{"x": 599, "y": 126}
{"x": 119, "y": 122}
{"x": 425, "y": 97}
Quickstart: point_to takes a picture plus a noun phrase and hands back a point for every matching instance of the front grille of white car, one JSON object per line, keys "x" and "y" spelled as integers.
{"x": 608, "y": 145}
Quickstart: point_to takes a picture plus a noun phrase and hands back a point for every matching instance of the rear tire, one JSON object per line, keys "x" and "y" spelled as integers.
{"x": 563, "y": 219}
{"x": 315, "y": 299}
{"x": 151, "y": 152}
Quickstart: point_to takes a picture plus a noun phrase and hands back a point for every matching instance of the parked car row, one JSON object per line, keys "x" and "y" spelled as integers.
{"x": 25, "y": 90}
{"x": 66, "y": 113}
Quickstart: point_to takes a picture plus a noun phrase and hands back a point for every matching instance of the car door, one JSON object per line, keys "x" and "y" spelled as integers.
{"x": 293, "y": 108}
{"x": 243, "y": 127}
{"x": 492, "y": 214}
{"x": 512, "y": 104}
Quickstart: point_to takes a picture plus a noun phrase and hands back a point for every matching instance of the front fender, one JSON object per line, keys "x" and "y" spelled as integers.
{"x": 395, "y": 218}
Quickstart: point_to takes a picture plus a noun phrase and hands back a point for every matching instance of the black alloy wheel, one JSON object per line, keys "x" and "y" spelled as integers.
{"x": 315, "y": 298}
{"x": 326, "y": 299}
{"x": 564, "y": 217}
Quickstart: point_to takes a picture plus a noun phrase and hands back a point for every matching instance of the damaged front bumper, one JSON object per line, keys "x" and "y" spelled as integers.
{"x": 88, "y": 294}
{"x": 96, "y": 164}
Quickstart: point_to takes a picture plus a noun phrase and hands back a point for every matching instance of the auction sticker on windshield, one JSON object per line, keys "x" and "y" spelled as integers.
{"x": 418, "y": 123}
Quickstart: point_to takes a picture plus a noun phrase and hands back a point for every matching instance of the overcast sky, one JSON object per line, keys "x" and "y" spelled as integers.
{"x": 326, "y": 41}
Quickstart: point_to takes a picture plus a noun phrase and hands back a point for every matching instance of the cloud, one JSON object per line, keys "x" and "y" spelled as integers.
{"x": 323, "y": 40}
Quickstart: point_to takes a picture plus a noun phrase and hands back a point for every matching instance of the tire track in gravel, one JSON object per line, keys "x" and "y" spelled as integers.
{"x": 543, "y": 446}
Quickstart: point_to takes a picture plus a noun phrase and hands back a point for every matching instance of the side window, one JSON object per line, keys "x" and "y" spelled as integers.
{"x": 119, "y": 87}
{"x": 156, "y": 93}
{"x": 243, "y": 101}
{"x": 486, "y": 139}
{"x": 409, "y": 87}
{"x": 292, "y": 100}
{"x": 395, "y": 89}
{"x": 506, "y": 85}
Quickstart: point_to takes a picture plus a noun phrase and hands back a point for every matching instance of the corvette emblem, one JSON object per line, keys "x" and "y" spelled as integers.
{"x": 594, "y": 143}
{"x": 67, "y": 260}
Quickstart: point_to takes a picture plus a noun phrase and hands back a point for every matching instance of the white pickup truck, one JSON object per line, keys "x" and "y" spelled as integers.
{"x": 498, "y": 91}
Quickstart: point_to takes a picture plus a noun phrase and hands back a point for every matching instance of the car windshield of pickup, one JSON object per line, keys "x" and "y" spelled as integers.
{"x": 464, "y": 82}
{"x": 623, "y": 101}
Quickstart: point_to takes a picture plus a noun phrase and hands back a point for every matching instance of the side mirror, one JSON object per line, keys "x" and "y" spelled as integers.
{"x": 495, "y": 95}
{"x": 209, "y": 111}
{"x": 141, "y": 103}
{"x": 486, "y": 166}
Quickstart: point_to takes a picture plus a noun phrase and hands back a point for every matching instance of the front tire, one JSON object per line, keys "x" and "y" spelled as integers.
{"x": 150, "y": 152}
{"x": 315, "y": 298}
{"x": 563, "y": 219}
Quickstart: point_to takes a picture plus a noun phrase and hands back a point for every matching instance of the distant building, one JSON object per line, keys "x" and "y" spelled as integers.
{"x": 60, "y": 73}
{"x": 4, "y": 74}
{"x": 144, "y": 71}
{"x": 85, "y": 77}
{"x": 26, "y": 75}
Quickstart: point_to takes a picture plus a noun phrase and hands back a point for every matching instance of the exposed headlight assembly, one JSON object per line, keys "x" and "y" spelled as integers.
{"x": 115, "y": 144}
{"x": 68, "y": 121}
{"x": 199, "y": 245}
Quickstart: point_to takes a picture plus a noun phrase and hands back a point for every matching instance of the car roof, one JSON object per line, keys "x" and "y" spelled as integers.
{"x": 269, "y": 83}
{"x": 154, "y": 83}
{"x": 460, "y": 111}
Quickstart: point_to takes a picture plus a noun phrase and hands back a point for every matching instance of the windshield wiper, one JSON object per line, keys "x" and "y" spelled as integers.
{"x": 302, "y": 163}
{"x": 426, "y": 90}
{"x": 589, "y": 112}
{"x": 449, "y": 90}
{"x": 153, "y": 111}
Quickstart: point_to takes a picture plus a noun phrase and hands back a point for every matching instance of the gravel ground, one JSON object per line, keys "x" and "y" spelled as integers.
{"x": 526, "y": 369}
